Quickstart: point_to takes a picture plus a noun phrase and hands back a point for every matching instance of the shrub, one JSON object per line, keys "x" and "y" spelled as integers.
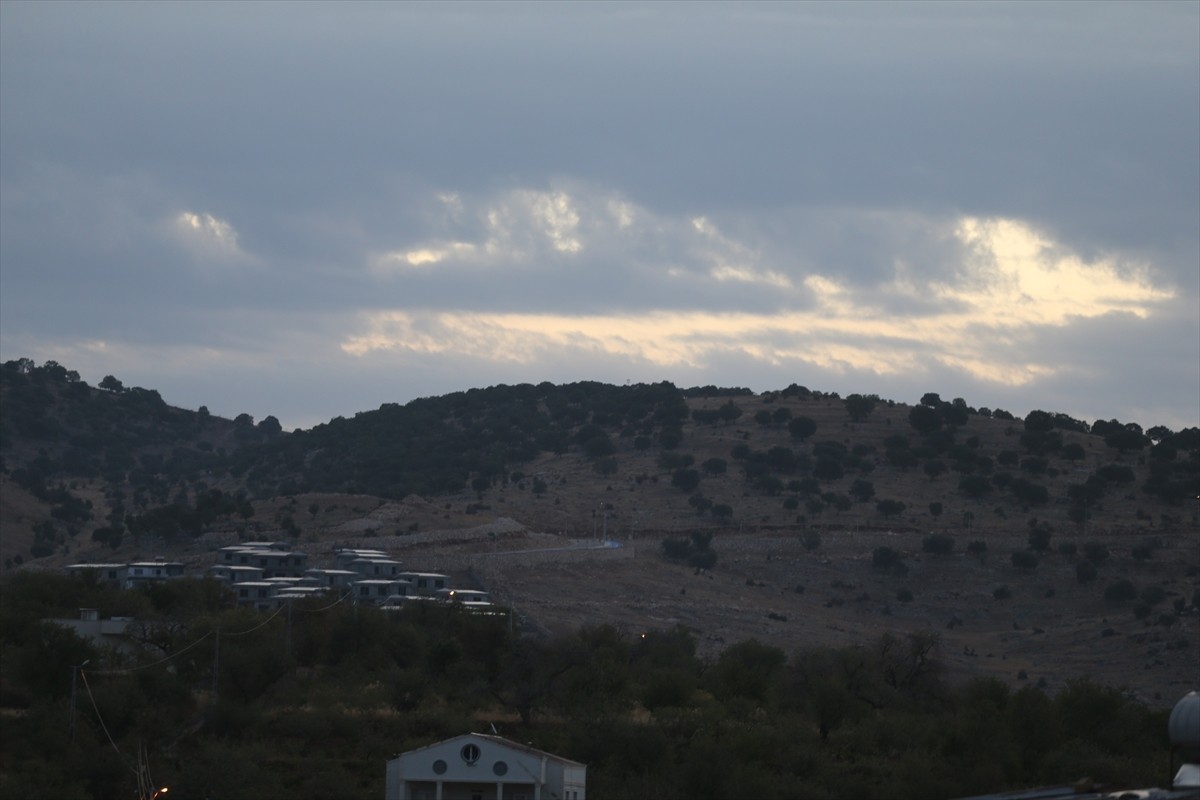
{"x": 1039, "y": 538}
{"x": 1085, "y": 571}
{"x": 1095, "y": 552}
{"x": 940, "y": 543}
{"x": 1120, "y": 592}
{"x": 1142, "y": 552}
{"x": 695, "y": 551}
{"x": 685, "y": 479}
{"x": 974, "y": 485}
{"x": 1154, "y": 595}
{"x": 1002, "y": 592}
{"x": 1023, "y": 559}
{"x": 885, "y": 558}
{"x": 676, "y": 549}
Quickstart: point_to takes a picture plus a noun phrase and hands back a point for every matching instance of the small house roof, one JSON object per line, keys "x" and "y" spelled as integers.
{"x": 499, "y": 741}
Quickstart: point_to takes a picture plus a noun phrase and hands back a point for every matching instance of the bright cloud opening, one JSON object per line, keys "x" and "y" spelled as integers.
{"x": 210, "y": 237}
{"x": 1011, "y": 282}
{"x": 428, "y": 255}
{"x": 1015, "y": 276}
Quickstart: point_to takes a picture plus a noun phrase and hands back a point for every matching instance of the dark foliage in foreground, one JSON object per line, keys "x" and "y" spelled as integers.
{"x": 312, "y": 702}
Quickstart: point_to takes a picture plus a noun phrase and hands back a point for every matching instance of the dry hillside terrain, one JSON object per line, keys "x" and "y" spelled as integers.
{"x": 532, "y": 540}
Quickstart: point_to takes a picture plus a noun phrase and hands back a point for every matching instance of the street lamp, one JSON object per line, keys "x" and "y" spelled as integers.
{"x": 161, "y": 791}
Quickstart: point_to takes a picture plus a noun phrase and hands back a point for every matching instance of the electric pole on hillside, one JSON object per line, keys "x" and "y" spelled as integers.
{"x": 74, "y": 683}
{"x": 216, "y": 664}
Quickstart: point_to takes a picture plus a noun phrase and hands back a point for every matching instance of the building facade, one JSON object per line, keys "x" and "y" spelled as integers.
{"x": 477, "y": 766}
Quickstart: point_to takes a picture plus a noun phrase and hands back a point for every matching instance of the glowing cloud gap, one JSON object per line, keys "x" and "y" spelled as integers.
{"x": 209, "y": 237}
{"x": 1011, "y": 282}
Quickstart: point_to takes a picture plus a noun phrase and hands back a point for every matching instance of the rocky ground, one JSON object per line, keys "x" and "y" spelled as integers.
{"x": 767, "y": 585}
{"x": 545, "y": 561}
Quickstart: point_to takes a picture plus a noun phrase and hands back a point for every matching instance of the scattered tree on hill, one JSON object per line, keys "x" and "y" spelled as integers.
{"x": 1142, "y": 551}
{"x": 925, "y": 419}
{"x": 1123, "y": 591}
{"x": 827, "y": 469}
{"x": 859, "y": 407}
{"x": 934, "y": 468}
{"x": 862, "y": 490}
{"x": 1023, "y": 559}
{"x": 695, "y": 550}
{"x": 1073, "y": 451}
{"x": 885, "y": 558}
{"x": 685, "y": 479}
{"x": 802, "y": 428}
{"x": 1124, "y": 438}
{"x": 1039, "y": 536}
{"x": 938, "y": 543}
{"x": 1095, "y": 552}
{"x": 974, "y": 486}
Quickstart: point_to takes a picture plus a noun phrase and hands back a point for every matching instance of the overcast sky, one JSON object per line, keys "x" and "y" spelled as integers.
{"x": 309, "y": 210}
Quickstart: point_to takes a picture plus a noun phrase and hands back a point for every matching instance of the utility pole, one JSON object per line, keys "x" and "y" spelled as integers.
{"x": 216, "y": 664}
{"x": 74, "y": 683}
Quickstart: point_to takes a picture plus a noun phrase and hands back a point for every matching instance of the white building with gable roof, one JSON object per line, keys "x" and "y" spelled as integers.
{"x": 476, "y": 766}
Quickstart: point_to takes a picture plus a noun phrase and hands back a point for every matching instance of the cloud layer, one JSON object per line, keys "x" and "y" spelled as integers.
{"x": 307, "y": 210}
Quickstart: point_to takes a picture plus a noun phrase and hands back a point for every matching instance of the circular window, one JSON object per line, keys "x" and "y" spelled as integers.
{"x": 439, "y": 767}
{"x": 500, "y": 768}
{"x": 470, "y": 753}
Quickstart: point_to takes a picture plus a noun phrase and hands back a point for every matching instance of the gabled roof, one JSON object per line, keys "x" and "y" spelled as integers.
{"x": 499, "y": 741}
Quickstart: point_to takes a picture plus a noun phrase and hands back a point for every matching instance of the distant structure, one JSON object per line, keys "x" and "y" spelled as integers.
{"x": 476, "y": 766}
{"x": 265, "y": 575}
{"x": 130, "y": 575}
{"x": 1183, "y": 728}
{"x": 112, "y": 632}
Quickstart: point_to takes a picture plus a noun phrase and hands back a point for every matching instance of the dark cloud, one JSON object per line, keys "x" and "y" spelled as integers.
{"x": 311, "y": 143}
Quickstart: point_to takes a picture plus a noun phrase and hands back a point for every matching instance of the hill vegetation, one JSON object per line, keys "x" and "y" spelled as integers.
{"x": 800, "y": 572}
{"x": 313, "y": 701}
{"x": 108, "y": 464}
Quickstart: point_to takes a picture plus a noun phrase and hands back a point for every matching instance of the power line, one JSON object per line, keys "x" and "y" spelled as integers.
{"x": 96, "y": 708}
{"x": 154, "y": 663}
{"x": 256, "y": 627}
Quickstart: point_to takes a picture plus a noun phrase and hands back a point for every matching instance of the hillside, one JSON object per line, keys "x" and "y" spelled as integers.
{"x": 799, "y": 489}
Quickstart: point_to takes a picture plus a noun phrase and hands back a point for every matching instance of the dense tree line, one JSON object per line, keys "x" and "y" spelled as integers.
{"x": 156, "y": 463}
{"x": 312, "y": 700}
